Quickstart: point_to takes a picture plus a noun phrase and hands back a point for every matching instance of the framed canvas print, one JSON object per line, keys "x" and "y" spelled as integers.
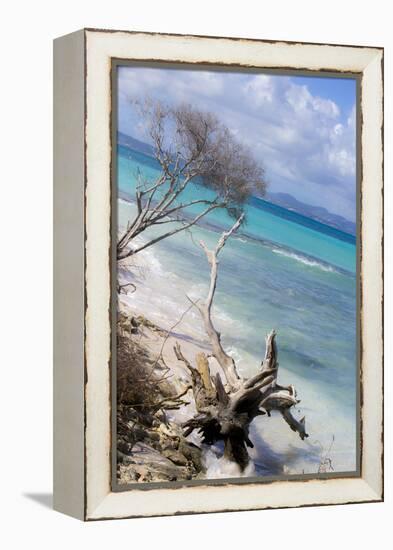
{"x": 218, "y": 274}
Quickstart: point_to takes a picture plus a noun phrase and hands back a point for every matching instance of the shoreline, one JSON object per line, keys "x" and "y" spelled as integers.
{"x": 270, "y": 456}
{"x": 288, "y": 251}
{"x": 163, "y": 285}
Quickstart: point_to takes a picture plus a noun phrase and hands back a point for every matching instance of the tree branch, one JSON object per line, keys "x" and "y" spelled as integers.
{"x": 224, "y": 360}
{"x": 122, "y": 254}
{"x": 189, "y": 143}
{"x": 230, "y": 412}
{"x": 204, "y": 394}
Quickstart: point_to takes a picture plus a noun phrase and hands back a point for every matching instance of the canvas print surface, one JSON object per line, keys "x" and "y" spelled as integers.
{"x": 236, "y": 275}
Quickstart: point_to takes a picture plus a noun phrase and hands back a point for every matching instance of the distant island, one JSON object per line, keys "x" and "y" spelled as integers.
{"x": 285, "y": 200}
{"x": 135, "y": 144}
{"x": 317, "y": 213}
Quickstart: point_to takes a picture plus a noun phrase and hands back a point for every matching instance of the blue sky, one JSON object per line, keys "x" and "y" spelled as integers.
{"x": 301, "y": 128}
{"x": 340, "y": 90}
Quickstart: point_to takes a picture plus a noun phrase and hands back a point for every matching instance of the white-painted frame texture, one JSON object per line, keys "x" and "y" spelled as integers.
{"x": 92, "y": 421}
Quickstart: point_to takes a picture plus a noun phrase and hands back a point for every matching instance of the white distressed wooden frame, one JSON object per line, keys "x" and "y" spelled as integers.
{"x": 82, "y": 466}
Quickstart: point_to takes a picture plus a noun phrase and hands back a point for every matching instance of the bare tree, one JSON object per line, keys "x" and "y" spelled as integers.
{"x": 226, "y": 409}
{"x": 190, "y": 146}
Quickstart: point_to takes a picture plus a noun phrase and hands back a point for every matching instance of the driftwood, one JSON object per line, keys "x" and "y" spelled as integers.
{"x": 225, "y": 409}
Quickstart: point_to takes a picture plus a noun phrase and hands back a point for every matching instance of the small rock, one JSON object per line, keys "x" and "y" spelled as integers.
{"x": 175, "y": 457}
{"x": 192, "y": 453}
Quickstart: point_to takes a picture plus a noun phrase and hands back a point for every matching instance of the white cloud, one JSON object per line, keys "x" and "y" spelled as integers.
{"x": 260, "y": 89}
{"x": 305, "y": 142}
{"x": 205, "y": 83}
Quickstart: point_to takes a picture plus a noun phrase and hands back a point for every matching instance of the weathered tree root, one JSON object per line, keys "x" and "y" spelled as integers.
{"x": 225, "y": 412}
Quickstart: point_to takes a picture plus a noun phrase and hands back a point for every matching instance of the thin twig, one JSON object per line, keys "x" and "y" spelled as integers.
{"x": 169, "y": 331}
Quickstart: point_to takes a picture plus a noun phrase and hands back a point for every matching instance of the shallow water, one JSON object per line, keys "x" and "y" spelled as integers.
{"x": 276, "y": 273}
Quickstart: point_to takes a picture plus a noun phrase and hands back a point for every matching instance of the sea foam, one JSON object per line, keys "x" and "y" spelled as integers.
{"x": 304, "y": 260}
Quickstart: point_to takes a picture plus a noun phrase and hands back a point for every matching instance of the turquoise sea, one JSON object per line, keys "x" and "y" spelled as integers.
{"x": 283, "y": 271}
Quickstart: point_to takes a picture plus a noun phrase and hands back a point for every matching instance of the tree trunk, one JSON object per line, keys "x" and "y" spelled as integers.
{"x": 225, "y": 413}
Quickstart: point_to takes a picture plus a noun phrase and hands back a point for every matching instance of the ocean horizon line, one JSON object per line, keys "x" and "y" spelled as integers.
{"x": 278, "y": 248}
{"x": 297, "y": 217}
{"x": 255, "y": 200}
